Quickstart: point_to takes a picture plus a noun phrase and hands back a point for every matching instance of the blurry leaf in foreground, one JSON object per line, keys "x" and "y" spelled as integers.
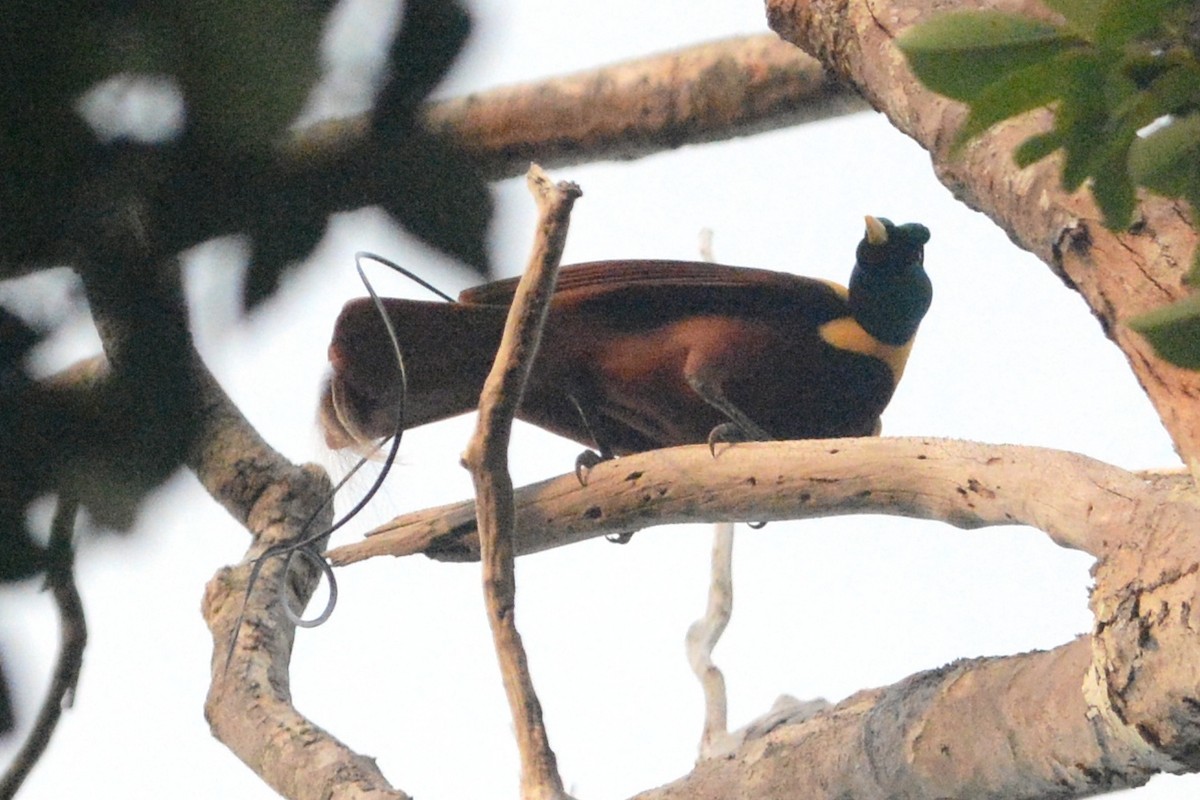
{"x": 431, "y": 35}
{"x": 1168, "y": 161}
{"x": 283, "y": 237}
{"x": 246, "y": 66}
{"x": 437, "y": 194}
{"x": 1173, "y": 331}
{"x": 959, "y": 54}
{"x": 7, "y": 718}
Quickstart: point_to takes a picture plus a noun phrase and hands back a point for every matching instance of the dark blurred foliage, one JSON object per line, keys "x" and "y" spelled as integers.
{"x": 119, "y": 211}
{"x": 7, "y": 718}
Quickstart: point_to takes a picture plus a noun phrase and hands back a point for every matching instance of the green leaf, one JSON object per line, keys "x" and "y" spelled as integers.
{"x": 1173, "y": 331}
{"x": 1123, "y": 21}
{"x": 1173, "y": 91}
{"x": 1111, "y": 185}
{"x": 1081, "y": 15}
{"x": 1166, "y": 161}
{"x": 1037, "y": 147}
{"x": 284, "y": 233}
{"x": 1032, "y": 87}
{"x": 959, "y": 54}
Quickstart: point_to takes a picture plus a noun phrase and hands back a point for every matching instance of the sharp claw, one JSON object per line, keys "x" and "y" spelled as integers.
{"x": 584, "y": 463}
{"x": 620, "y": 538}
{"x": 726, "y": 432}
{"x": 757, "y": 526}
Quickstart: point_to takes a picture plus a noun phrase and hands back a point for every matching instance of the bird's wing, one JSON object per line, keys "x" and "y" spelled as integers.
{"x": 597, "y": 277}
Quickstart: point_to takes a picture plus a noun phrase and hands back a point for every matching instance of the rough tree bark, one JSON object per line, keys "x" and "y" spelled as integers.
{"x": 704, "y": 93}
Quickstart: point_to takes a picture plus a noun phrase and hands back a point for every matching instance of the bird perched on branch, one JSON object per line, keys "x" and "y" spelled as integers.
{"x": 638, "y": 355}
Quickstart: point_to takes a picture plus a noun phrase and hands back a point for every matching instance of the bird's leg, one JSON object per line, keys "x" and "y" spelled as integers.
{"x": 589, "y": 458}
{"x": 740, "y": 428}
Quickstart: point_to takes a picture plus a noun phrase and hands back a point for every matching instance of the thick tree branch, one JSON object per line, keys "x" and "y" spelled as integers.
{"x": 249, "y": 705}
{"x": 1119, "y": 275}
{"x": 487, "y": 459}
{"x": 708, "y": 92}
{"x": 1002, "y": 727}
{"x": 1081, "y": 503}
{"x": 173, "y": 404}
{"x": 1101, "y": 713}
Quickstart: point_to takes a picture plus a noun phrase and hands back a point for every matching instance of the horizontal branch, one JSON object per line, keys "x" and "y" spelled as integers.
{"x": 709, "y": 92}
{"x": 1101, "y": 713}
{"x": 705, "y": 93}
{"x": 1081, "y": 503}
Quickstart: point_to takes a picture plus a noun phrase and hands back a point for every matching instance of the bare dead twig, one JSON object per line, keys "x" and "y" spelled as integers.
{"x": 703, "y": 636}
{"x": 487, "y": 459}
{"x": 60, "y": 579}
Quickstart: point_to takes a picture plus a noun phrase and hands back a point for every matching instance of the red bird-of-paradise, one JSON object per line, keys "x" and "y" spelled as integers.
{"x": 638, "y": 355}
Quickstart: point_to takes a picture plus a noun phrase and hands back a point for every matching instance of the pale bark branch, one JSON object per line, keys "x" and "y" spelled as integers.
{"x": 1003, "y": 727}
{"x": 1119, "y": 275}
{"x": 1102, "y": 713}
{"x": 1080, "y": 502}
{"x": 486, "y": 457}
{"x": 702, "y": 637}
{"x": 708, "y": 92}
{"x": 249, "y": 705}
{"x": 137, "y": 304}
{"x": 1096, "y": 715}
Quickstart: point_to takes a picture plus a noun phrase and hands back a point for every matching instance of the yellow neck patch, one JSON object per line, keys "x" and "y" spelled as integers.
{"x": 845, "y": 333}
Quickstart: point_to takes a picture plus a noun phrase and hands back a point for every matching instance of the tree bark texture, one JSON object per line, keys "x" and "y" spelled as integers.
{"x": 1120, "y": 275}
{"x": 486, "y": 457}
{"x": 708, "y": 92}
{"x": 1104, "y": 712}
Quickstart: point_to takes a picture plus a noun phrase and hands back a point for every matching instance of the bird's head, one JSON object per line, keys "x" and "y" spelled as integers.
{"x": 889, "y": 290}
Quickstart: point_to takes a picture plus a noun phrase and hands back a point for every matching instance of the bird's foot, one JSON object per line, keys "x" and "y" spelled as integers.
{"x": 727, "y": 433}
{"x": 584, "y": 463}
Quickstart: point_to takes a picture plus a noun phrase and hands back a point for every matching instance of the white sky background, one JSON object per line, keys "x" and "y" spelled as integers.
{"x": 404, "y": 671}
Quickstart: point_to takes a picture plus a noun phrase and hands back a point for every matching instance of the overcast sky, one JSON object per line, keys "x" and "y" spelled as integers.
{"x": 404, "y": 671}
